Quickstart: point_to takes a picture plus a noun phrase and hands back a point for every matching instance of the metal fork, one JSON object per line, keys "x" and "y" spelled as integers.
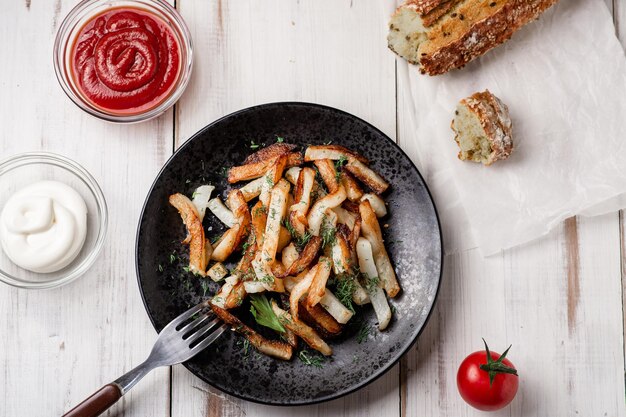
{"x": 176, "y": 343}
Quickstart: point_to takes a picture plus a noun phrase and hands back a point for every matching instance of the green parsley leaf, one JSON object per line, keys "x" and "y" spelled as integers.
{"x": 263, "y": 313}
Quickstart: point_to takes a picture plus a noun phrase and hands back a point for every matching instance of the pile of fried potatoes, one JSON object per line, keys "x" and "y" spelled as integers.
{"x": 312, "y": 230}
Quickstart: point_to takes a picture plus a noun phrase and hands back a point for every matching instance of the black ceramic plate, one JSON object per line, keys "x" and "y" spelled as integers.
{"x": 362, "y": 353}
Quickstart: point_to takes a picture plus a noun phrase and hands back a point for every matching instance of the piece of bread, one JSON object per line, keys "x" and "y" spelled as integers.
{"x": 440, "y": 35}
{"x": 482, "y": 128}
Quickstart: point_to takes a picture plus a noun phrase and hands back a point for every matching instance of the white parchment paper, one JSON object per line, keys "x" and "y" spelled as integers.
{"x": 564, "y": 80}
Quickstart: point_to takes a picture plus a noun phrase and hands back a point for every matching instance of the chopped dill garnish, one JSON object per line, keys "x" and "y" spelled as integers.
{"x": 214, "y": 239}
{"x": 254, "y": 145}
{"x": 345, "y": 286}
{"x": 300, "y": 241}
{"x": 224, "y": 172}
{"x": 328, "y": 143}
{"x": 186, "y": 268}
{"x": 172, "y": 257}
{"x": 245, "y": 347}
{"x": 328, "y": 233}
{"x": 260, "y": 210}
{"x": 160, "y": 268}
{"x": 279, "y": 139}
{"x": 363, "y": 333}
{"x": 311, "y": 359}
{"x": 371, "y": 283}
{"x": 340, "y": 163}
{"x": 205, "y": 287}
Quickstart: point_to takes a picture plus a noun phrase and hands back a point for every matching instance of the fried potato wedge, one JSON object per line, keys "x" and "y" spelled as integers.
{"x": 321, "y": 320}
{"x": 342, "y": 265}
{"x": 217, "y": 272}
{"x": 275, "y": 215}
{"x": 289, "y": 255}
{"x": 300, "y": 290}
{"x": 376, "y": 294}
{"x": 236, "y": 296}
{"x": 334, "y": 152}
{"x": 222, "y": 212}
{"x": 318, "y": 285}
{"x": 326, "y": 168}
{"x": 371, "y": 231}
{"x": 258, "y": 169}
{"x": 220, "y": 298}
{"x": 334, "y": 307}
{"x": 353, "y": 190}
{"x": 198, "y": 259}
{"x": 269, "y": 152}
{"x": 367, "y": 176}
{"x": 305, "y": 332}
{"x": 302, "y": 201}
{"x": 306, "y": 257}
{"x": 272, "y": 177}
{"x": 200, "y": 199}
{"x": 318, "y": 211}
{"x": 292, "y": 175}
{"x": 377, "y": 203}
{"x": 234, "y": 236}
{"x": 284, "y": 239}
{"x": 259, "y": 220}
{"x": 274, "y": 348}
{"x": 252, "y": 189}
{"x": 345, "y": 217}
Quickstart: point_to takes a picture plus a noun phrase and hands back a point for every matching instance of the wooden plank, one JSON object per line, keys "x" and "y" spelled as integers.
{"x": 551, "y": 299}
{"x": 250, "y": 52}
{"x": 59, "y": 346}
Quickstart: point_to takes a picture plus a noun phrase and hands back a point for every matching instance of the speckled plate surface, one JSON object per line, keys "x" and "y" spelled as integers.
{"x": 362, "y": 353}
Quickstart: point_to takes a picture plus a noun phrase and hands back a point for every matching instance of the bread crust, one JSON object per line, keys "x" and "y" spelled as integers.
{"x": 424, "y": 7}
{"x": 494, "y": 118}
{"x": 453, "y": 46}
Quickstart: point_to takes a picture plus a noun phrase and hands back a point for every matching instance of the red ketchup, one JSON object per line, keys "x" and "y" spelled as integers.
{"x": 125, "y": 61}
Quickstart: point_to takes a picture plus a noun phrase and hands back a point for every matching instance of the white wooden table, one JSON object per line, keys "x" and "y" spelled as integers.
{"x": 559, "y": 301}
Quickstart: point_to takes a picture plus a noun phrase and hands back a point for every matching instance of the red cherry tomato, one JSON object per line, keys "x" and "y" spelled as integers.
{"x": 486, "y": 380}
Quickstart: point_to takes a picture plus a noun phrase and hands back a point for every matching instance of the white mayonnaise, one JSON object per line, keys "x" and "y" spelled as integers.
{"x": 43, "y": 226}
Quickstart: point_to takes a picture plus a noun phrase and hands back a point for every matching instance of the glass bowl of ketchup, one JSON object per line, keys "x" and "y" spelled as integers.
{"x": 123, "y": 61}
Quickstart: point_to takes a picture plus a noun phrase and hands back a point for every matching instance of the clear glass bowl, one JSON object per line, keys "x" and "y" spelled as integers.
{"x": 83, "y": 12}
{"x": 20, "y": 170}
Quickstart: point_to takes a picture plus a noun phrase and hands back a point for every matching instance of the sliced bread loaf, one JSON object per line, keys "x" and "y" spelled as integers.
{"x": 443, "y": 35}
{"x": 483, "y": 128}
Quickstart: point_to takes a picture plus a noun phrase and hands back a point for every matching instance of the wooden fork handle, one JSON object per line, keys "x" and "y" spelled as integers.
{"x": 97, "y": 403}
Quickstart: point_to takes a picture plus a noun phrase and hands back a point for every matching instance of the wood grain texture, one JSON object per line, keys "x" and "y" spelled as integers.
{"x": 59, "y": 346}
{"x": 329, "y": 52}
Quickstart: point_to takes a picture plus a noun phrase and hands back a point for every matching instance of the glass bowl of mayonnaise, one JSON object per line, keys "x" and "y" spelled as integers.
{"x": 53, "y": 220}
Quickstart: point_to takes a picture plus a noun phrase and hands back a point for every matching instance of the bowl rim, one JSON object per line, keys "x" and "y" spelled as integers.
{"x": 62, "y": 41}
{"x": 49, "y": 158}
{"x": 429, "y": 314}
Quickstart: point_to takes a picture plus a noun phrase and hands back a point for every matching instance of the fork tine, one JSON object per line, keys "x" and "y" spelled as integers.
{"x": 193, "y": 324}
{"x": 202, "y": 331}
{"x": 186, "y": 315}
{"x": 210, "y": 339}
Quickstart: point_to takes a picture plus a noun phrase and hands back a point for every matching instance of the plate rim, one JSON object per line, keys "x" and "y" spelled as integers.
{"x": 383, "y": 370}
